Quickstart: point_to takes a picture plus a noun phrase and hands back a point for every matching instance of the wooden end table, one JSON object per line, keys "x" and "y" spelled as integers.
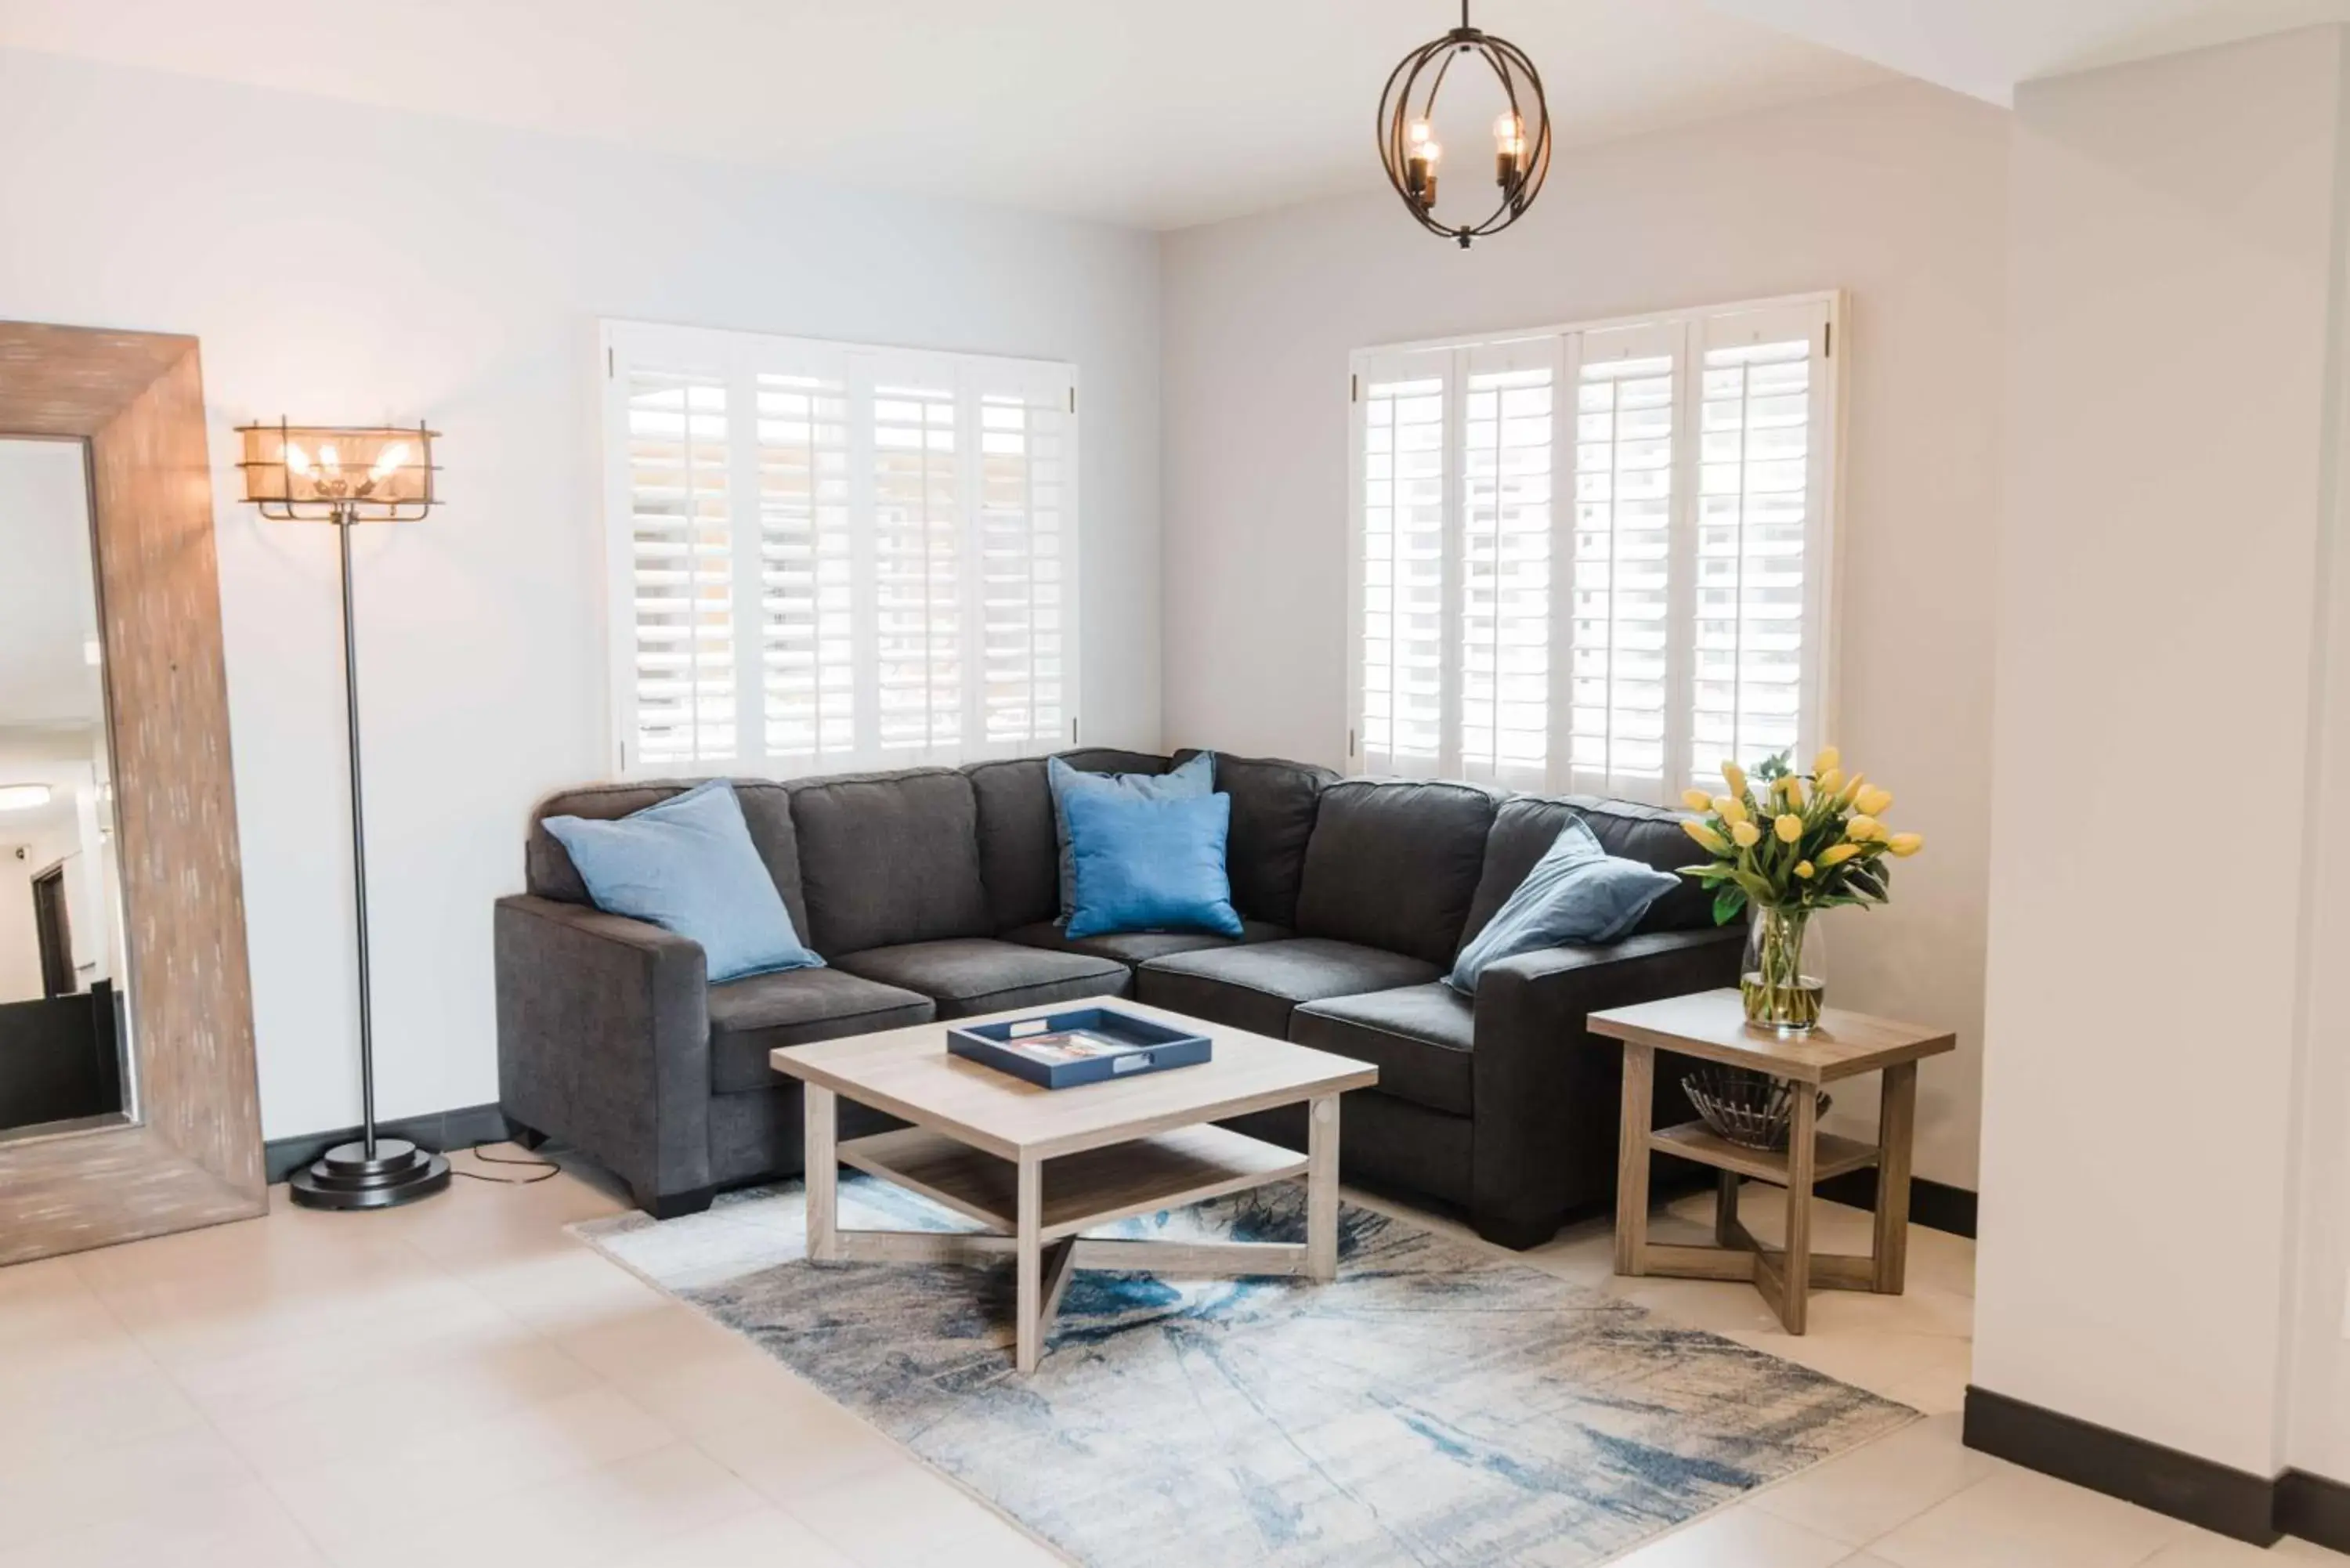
{"x": 1037, "y": 1166}
{"x": 1710, "y": 1025}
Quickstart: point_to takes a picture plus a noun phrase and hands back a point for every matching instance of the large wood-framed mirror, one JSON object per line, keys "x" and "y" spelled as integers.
{"x": 136, "y": 911}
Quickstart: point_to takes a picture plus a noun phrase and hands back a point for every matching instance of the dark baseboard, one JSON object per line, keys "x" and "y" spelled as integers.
{"x": 439, "y": 1131}
{"x": 2315, "y": 1508}
{"x": 1932, "y": 1204}
{"x": 2258, "y": 1509}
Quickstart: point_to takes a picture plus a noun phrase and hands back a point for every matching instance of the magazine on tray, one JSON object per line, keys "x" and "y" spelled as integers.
{"x": 1069, "y": 1045}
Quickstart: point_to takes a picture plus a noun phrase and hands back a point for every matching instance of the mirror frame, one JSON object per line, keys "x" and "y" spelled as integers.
{"x": 194, "y": 1156}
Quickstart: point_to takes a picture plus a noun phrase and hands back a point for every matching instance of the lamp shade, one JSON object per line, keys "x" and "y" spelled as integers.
{"x": 369, "y": 472}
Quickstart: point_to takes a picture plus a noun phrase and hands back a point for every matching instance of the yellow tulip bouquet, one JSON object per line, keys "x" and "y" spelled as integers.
{"x": 1790, "y": 845}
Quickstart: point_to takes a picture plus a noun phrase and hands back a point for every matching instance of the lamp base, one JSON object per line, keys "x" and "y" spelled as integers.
{"x": 345, "y": 1177}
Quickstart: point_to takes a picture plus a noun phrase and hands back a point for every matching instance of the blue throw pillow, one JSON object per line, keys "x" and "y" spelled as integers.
{"x": 1578, "y": 892}
{"x": 688, "y": 866}
{"x": 1151, "y": 864}
{"x": 1196, "y": 777}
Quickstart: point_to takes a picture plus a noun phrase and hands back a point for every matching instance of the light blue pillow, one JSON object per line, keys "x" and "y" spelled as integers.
{"x": 1196, "y": 777}
{"x": 1151, "y": 864}
{"x": 1578, "y": 892}
{"x": 688, "y": 866}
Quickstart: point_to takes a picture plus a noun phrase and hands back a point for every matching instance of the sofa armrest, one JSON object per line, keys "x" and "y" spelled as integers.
{"x": 1545, "y": 1091}
{"x": 604, "y": 1042}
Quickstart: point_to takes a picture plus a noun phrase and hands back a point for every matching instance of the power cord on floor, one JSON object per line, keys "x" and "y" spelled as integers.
{"x": 548, "y": 1169}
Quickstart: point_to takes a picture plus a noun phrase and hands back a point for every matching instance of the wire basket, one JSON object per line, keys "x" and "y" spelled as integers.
{"x": 1752, "y": 1109}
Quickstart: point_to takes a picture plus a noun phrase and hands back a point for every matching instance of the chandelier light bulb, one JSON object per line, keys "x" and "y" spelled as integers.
{"x": 387, "y": 461}
{"x": 328, "y": 463}
{"x": 297, "y": 462}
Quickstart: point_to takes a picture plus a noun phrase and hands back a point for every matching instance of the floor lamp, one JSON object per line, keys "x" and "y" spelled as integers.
{"x": 347, "y": 476}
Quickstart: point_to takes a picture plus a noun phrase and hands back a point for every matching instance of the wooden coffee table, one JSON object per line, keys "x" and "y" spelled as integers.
{"x": 1712, "y": 1026}
{"x": 1036, "y": 1166}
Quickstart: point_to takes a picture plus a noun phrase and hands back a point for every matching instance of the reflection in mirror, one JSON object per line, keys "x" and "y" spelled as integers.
{"x": 63, "y": 1023}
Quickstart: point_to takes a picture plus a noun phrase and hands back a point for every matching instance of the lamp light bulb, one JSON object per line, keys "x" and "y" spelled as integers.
{"x": 387, "y": 461}
{"x": 297, "y": 461}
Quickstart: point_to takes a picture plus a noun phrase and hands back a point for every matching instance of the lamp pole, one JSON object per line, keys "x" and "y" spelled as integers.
{"x": 371, "y": 1173}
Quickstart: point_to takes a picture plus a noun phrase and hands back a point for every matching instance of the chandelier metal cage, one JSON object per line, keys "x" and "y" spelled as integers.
{"x": 1409, "y": 148}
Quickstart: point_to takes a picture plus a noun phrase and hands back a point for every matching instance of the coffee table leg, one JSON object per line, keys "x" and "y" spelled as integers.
{"x": 1803, "y": 1158}
{"x": 1029, "y": 1300}
{"x": 1725, "y": 1207}
{"x": 819, "y": 1155}
{"x": 1897, "y": 1122}
{"x": 1632, "y": 1160}
{"x": 1322, "y": 1189}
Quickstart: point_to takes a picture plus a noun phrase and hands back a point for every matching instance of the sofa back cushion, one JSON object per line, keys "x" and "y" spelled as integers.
{"x": 886, "y": 858}
{"x": 1394, "y": 864}
{"x": 1019, "y": 853}
{"x": 1273, "y": 804}
{"x": 547, "y": 870}
{"x": 1527, "y": 826}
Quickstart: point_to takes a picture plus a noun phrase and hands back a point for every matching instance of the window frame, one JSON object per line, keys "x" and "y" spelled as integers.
{"x": 1692, "y": 330}
{"x": 739, "y": 358}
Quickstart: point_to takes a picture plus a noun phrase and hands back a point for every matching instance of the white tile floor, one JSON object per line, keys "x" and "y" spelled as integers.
{"x": 463, "y": 1377}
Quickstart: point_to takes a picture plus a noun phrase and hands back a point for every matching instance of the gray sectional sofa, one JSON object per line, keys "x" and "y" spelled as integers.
{"x": 932, "y": 894}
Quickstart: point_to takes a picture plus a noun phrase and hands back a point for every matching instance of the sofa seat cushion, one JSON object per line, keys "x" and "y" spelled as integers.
{"x": 749, "y": 1018}
{"x": 1255, "y": 986}
{"x": 979, "y": 974}
{"x": 1418, "y": 1036}
{"x": 1133, "y": 948}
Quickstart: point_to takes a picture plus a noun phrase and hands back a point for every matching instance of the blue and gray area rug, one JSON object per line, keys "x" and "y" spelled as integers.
{"x": 1437, "y": 1406}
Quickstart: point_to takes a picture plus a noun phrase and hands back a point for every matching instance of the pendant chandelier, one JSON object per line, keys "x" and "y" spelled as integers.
{"x": 1407, "y": 144}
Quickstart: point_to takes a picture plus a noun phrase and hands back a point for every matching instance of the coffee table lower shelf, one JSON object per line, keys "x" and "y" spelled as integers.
{"x": 1037, "y": 1220}
{"x": 1166, "y": 1170}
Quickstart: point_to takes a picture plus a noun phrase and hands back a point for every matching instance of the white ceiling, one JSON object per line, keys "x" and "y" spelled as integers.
{"x": 48, "y": 604}
{"x": 57, "y": 757}
{"x": 1159, "y": 113}
{"x": 1986, "y": 47}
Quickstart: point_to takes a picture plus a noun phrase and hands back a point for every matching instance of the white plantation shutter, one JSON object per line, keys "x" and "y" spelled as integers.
{"x": 918, "y": 502}
{"x": 1401, "y": 544}
{"x": 1754, "y": 525}
{"x": 1594, "y": 558}
{"x": 907, "y": 586}
{"x": 1027, "y": 466}
{"x": 1508, "y": 442}
{"x": 1622, "y": 575}
{"x": 806, "y": 614}
{"x": 678, "y": 571}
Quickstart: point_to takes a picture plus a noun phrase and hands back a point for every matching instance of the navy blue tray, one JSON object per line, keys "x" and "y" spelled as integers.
{"x": 1140, "y": 1045}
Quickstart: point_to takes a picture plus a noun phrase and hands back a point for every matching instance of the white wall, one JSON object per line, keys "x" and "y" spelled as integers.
{"x": 20, "y": 942}
{"x": 1897, "y": 194}
{"x": 2174, "y": 397}
{"x": 341, "y": 262}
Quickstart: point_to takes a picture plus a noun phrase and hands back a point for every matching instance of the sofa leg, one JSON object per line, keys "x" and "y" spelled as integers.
{"x": 674, "y": 1205}
{"x": 530, "y": 1140}
{"x": 1517, "y": 1235}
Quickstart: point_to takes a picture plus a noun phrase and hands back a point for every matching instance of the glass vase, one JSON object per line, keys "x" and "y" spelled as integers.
{"x": 1781, "y": 985}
